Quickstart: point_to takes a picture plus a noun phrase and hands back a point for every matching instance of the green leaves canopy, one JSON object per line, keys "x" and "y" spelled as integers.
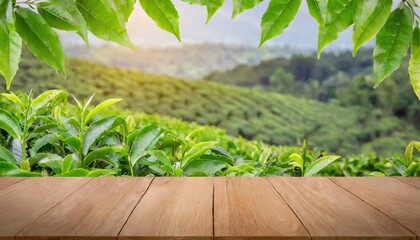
{"x": 107, "y": 19}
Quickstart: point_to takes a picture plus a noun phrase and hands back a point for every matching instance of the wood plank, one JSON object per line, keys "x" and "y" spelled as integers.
{"x": 173, "y": 208}
{"x": 9, "y": 181}
{"x": 398, "y": 200}
{"x": 330, "y": 212}
{"x": 98, "y": 209}
{"x": 246, "y": 208}
{"x": 413, "y": 181}
{"x": 25, "y": 201}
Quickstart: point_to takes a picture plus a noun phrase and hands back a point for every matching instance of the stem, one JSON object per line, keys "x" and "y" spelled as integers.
{"x": 130, "y": 167}
{"x": 81, "y": 136}
{"x": 24, "y": 133}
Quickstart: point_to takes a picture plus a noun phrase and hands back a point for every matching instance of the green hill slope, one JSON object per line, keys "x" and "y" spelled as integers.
{"x": 272, "y": 118}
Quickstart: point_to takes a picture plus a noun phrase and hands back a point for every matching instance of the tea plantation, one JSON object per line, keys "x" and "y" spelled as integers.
{"x": 269, "y": 117}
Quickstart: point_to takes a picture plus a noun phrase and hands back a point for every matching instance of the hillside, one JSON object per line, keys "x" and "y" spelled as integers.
{"x": 335, "y": 78}
{"x": 253, "y": 114}
{"x": 188, "y": 61}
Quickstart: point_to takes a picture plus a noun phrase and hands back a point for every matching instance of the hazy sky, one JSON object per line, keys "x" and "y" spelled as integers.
{"x": 243, "y": 30}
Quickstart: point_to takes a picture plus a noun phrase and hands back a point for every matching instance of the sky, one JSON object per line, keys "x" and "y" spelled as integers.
{"x": 243, "y": 30}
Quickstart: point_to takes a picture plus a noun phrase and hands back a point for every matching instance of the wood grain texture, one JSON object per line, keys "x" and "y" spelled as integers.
{"x": 9, "y": 181}
{"x": 396, "y": 199}
{"x": 413, "y": 181}
{"x": 97, "y": 210}
{"x": 330, "y": 212}
{"x": 25, "y": 201}
{"x": 246, "y": 208}
{"x": 173, "y": 208}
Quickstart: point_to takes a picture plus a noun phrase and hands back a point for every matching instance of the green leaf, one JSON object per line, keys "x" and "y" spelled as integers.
{"x": 100, "y": 107}
{"x": 10, "y": 124}
{"x": 297, "y": 160}
{"x": 416, "y": 145}
{"x": 101, "y": 173}
{"x": 242, "y": 5}
{"x": 10, "y": 51}
{"x": 7, "y": 169}
{"x": 196, "y": 151}
{"x": 13, "y": 98}
{"x": 124, "y": 8}
{"x": 370, "y": 17}
{"x": 103, "y": 21}
{"x": 41, "y": 129}
{"x": 339, "y": 17}
{"x": 77, "y": 172}
{"x": 409, "y": 153}
{"x": 376, "y": 174}
{"x": 40, "y": 38}
{"x": 6, "y": 13}
{"x": 48, "y": 160}
{"x": 64, "y": 15}
{"x": 7, "y": 156}
{"x": 208, "y": 167}
{"x": 399, "y": 165}
{"x": 216, "y": 157}
{"x": 74, "y": 142}
{"x": 265, "y": 156}
{"x": 414, "y": 67}
{"x": 68, "y": 163}
{"x": 144, "y": 141}
{"x": 162, "y": 169}
{"x": 46, "y": 97}
{"x": 97, "y": 129}
{"x": 320, "y": 164}
{"x": 392, "y": 43}
{"x": 162, "y": 158}
{"x": 318, "y": 10}
{"x": 11, "y": 170}
{"x": 164, "y": 13}
{"x": 102, "y": 154}
{"x": 50, "y": 139}
{"x": 211, "y": 5}
{"x": 57, "y": 16}
{"x": 278, "y": 16}
{"x": 132, "y": 136}
{"x": 413, "y": 169}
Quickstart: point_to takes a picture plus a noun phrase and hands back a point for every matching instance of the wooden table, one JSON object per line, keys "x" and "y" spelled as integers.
{"x": 210, "y": 208}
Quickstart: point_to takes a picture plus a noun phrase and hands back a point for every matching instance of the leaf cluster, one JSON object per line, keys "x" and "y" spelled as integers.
{"x": 33, "y": 22}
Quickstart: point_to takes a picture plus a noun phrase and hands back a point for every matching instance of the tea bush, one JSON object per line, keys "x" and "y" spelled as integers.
{"x": 273, "y": 118}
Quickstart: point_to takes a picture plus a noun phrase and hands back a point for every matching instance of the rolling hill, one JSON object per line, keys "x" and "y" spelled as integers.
{"x": 270, "y": 117}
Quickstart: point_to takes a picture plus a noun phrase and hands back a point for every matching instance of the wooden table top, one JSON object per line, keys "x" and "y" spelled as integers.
{"x": 210, "y": 208}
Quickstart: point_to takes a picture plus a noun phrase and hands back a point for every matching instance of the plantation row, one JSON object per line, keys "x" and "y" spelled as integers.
{"x": 46, "y": 136}
{"x": 269, "y": 117}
